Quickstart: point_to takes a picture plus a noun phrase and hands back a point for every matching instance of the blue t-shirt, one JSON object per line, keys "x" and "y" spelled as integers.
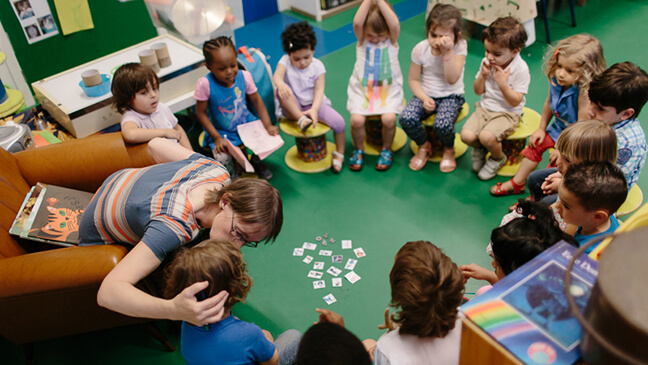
{"x": 564, "y": 106}
{"x": 230, "y": 341}
{"x": 581, "y": 238}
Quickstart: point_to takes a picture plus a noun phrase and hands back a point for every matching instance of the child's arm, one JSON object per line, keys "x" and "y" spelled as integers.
{"x": 283, "y": 89}
{"x": 359, "y": 20}
{"x": 392, "y": 20}
{"x": 318, "y": 95}
{"x": 275, "y": 357}
{"x": 132, "y": 133}
{"x": 538, "y": 136}
{"x": 477, "y": 272}
{"x": 480, "y": 82}
{"x": 512, "y": 97}
{"x": 220, "y": 145}
{"x": 414, "y": 81}
{"x": 583, "y": 105}
{"x": 452, "y": 64}
{"x": 263, "y": 114}
{"x": 184, "y": 140}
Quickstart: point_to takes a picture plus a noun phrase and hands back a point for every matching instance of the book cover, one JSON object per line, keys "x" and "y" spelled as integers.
{"x": 527, "y": 311}
{"x": 58, "y": 216}
{"x": 256, "y": 138}
{"x": 239, "y": 156}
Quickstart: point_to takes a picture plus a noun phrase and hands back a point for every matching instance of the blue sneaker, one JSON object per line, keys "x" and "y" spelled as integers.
{"x": 385, "y": 160}
{"x": 357, "y": 160}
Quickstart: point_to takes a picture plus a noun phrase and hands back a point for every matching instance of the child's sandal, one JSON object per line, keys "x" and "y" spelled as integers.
{"x": 385, "y": 160}
{"x": 304, "y": 122}
{"x": 338, "y": 160}
{"x": 357, "y": 160}
{"x": 497, "y": 190}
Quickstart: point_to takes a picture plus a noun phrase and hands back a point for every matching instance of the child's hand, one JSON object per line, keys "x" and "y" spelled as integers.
{"x": 551, "y": 183}
{"x": 220, "y": 145}
{"x": 475, "y": 271}
{"x": 501, "y": 76}
{"x": 172, "y": 134}
{"x": 485, "y": 69}
{"x": 284, "y": 92}
{"x": 389, "y": 322}
{"x": 537, "y": 137}
{"x": 429, "y": 105}
{"x": 327, "y": 315}
{"x": 312, "y": 114}
{"x": 272, "y": 130}
{"x": 445, "y": 44}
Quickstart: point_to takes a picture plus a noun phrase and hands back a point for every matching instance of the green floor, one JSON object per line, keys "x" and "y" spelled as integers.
{"x": 378, "y": 211}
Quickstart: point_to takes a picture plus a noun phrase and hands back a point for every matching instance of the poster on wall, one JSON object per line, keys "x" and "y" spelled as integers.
{"x": 35, "y": 18}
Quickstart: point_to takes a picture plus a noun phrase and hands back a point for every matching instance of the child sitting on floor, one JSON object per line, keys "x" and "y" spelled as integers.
{"x": 229, "y": 341}
{"x": 136, "y": 96}
{"x": 222, "y": 93}
{"x": 299, "y": 79}
{"x": 376, "y": 84}
{"x": 590, "y": 193}
{"x": 570, "y": 66}
{"x": 617, "y": 96}
{"x": 502, "y": 81}
{"x": 436, "y": 80}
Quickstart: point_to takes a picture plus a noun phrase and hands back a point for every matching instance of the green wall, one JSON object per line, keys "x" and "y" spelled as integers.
{"x": 117, "y": 25}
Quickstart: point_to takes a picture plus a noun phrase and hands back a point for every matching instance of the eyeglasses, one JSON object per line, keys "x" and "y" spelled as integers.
{"x": 239, "y": 237}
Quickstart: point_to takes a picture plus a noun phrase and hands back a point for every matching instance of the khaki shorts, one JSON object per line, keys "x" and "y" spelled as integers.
{"x": 501, "y": 124}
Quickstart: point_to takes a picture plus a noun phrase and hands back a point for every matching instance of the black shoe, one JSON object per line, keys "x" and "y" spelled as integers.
{"x": 260, "y": 168}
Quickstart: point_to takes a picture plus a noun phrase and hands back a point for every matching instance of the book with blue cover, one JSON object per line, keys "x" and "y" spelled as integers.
{"x": 527, "y": 311}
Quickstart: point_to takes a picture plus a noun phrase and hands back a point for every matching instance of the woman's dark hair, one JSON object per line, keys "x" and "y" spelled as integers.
{"x": 298, "y": 36}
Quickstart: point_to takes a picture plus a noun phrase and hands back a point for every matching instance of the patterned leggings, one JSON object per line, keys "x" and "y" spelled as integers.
{"x": 447, "y": 110}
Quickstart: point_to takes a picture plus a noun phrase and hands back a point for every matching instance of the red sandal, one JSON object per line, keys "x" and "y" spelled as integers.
{"x": 497, "y": 190}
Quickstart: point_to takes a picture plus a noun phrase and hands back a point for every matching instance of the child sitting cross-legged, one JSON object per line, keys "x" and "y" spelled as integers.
{"x": 589, "y": 195}
{"x": 229, "y": 341}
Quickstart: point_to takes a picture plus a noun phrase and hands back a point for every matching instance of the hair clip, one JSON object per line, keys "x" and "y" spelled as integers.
{"x": 556, "y": 52}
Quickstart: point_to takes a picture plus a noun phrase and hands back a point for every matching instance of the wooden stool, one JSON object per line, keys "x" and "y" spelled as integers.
{"x": 437, "y": 147}
{"x": 633, "y": 201}
{"x": 312, "y": 152}
{"x": 373, "y": 141}
{"x": 513, "y": 145}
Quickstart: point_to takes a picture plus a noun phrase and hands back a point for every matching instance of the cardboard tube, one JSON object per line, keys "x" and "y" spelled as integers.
{"x": 91, "y": 78}
{"x": 162, "y": 53}
{"x": 148, "y": 58}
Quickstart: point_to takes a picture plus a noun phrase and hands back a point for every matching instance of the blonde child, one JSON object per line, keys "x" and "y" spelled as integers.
{"x": 502, "y": 81}
{"x": 229, "y": 341}
{"x": 570, "y": 66}
{"x": 221, "y": 104}
{"x": 436, "y": 80}
{"x": 376, "y": 84}
{"x": 300, "y": 82}
{"x": 136, "y": 96}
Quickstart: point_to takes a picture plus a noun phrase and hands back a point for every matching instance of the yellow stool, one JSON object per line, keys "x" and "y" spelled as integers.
{"x": 639, "y": 219}
{"x": 312, "y": 152}
{"x": 373, "y": 141}
{"x": 513, "y": 145}
{"x": 437, "y": 147}
{"x": 632, "y": 202}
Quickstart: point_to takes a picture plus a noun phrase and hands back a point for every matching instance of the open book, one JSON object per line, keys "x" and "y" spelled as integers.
{"x": 256, "y": 138}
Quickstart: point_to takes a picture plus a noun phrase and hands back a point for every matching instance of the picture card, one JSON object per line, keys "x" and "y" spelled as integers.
{"x": 319, "y": 284}
{"x": 346, "y": 244}
{"x": 315, "y": 274}
{"x": 352, "y": 277}
{"x": 308, "y": 259}
{"x": 337, "y": 258}
{"x": 334, "y": 271}
{"x": 319, "y": 265}
{"x": 298, "y": 251}
{"x": 309, "y": 246}
{"x": 326, "y": 252}
{"x": 329, "y": 299}
{"x": 359, "y": 252}
{"x": 351, "y": 263}
{"x": 337, "y": 282}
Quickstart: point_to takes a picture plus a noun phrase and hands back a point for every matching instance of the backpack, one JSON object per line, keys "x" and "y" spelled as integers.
{"x": 254, "y": 61}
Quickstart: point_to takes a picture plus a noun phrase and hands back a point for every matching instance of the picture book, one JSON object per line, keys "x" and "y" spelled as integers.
{"x": 239, "y": 156}
{"x": 25, "y": 209}
{"x": 256, "y": 138}
{"x": 527, "y": 311}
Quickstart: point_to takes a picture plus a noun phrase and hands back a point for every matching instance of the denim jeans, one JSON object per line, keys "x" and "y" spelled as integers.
{"x": 287, "y": 344}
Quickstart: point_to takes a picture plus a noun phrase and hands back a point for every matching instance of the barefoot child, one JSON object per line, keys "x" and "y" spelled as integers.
{"x": 299, "y": 79}
{"x": 436, "y": 80}
{"x": 570, "y": 66}
{"x": 221, "y": 104}
{"x": 136, "y": 96}
{"x": 376, "y": 84}
{"x": 502, "y": 81}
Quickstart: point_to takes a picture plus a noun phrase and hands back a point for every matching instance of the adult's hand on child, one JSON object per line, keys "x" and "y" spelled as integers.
{"x": 199, "y": 313}
{"x": 220, "y": 145}
{"x": 551, "y": 183}
{"x": 327, "y": 315}
{"x": 284, "y": 92}
{"x": 501, "y": 76}
{"x": 537, "y": 137}
{"x": 273, "y": 130}
{"x": 388, "y": 324}
{"x": 429, "y": 105}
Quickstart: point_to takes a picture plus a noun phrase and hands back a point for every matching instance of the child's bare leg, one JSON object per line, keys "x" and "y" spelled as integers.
{"x": 340, "y": 140}
{"x": 358, "y": 131}
{"x": 388, "y": 129}
{"x": 470, "y": 138}
{"x": 526, "y": 167}
{"x": 290, "y": 107}
{"x": 490, "y": 142}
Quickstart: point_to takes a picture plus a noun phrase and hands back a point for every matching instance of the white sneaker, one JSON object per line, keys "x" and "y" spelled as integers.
{"x": 490, "y": 168}
{"x": 478, "y": 156}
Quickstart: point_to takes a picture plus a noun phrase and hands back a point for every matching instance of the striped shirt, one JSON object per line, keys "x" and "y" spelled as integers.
{"x": 150, "y": 205}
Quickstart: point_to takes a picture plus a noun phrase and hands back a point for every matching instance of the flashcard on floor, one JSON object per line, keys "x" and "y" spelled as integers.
{"x": 334, "y": 271}
{"x": 315, "y": 274}
{"x": 351, "y": 263}
{"x": 337, "y": 258}
{"x": 309, "y": 246}
{"x": 326, "y": 252}
{"x": 319, "y": 284}
{"x": 352, "y": 277}
{"x": 319, "y": 265}
{"x": 346, "y": 244}
{"x": 308, "y": 259}
{"x": 329, "y": 299}
{"x": 359, "y": 252}
{"x": 337, "y": 282}
{"x": 298, "y": 252}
